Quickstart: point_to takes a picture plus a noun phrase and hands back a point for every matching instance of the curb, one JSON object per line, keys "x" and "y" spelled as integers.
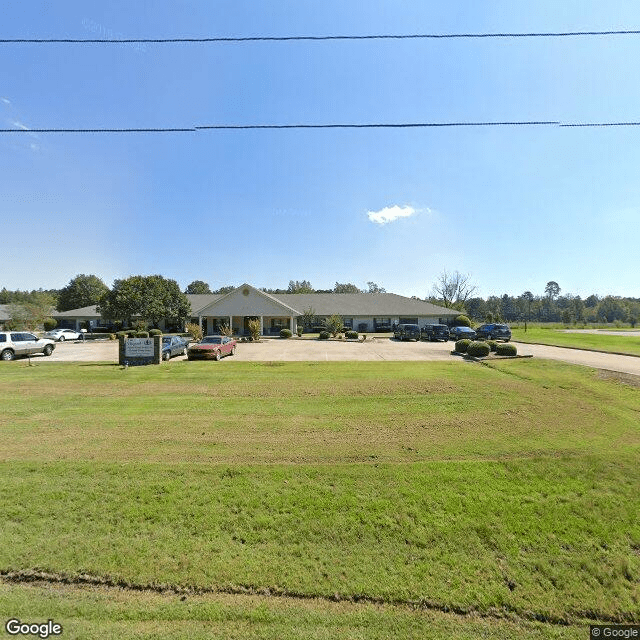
{"x": 611, "y": 353}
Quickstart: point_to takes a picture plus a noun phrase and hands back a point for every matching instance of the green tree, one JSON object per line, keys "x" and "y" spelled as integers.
{"x": 552, "y": 289}
{"x": 334, "y": 324}
{"x": 309, "y": 318}
{"x": 225, "y": 289}
{"x": 82, "y": 291}
{"x": 346, "y": 288}
{"x": 374, "y": 288}
{"x": 151, "y": 298}
{"x": 611, "y": 309}
{"x": 31, "y": 314}
{"x": 197, "y": 286}
{"x": 300, "y": 286}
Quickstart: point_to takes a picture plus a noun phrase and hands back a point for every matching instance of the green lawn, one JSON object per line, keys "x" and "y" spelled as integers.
{"x": 507, "y": 494}
{"x": 595, "y": 341}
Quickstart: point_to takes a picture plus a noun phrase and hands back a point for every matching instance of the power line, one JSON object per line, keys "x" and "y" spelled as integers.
{"x": 409, "y": 36}
{"x": 400, "y": 125}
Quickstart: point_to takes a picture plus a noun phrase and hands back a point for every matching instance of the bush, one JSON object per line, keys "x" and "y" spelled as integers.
{"x": 462, "y": 321}
{"x": 461, "y": 345}
{"x": 142, "y": 334}
{"x": 334, "y": 324}
{"x": 49, "y": 324}
{"x": 121, "y": 334}
{"x": 478, "y": 349}
{"x": 254, "y": 328}
{"x": 194, "y": 330}
{"x": 285, "y": 333}
{"x": 493, "y": 345}
{"x": 299, "y": 331}
{"x": 155, "y": 332}
{"x": 324, "y": 335}
{"x": 132, "y": 333}
{"x": 112, "y": 336}
{"x": 507, "y": 349}
{"x": 352, "y": 335}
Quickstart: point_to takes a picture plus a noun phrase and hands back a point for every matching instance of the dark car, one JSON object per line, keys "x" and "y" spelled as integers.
{"x": 407, "y": 332}
{"x": 459, "y": 333}
{"x": 433, "y": 332}
{"x": 173, "y": 346}
{"x": 212, "y": 347}
{"x": 494, "y": 332}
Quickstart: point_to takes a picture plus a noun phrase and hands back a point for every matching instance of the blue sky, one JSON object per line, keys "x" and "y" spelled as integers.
{"x": 513, "y": 207}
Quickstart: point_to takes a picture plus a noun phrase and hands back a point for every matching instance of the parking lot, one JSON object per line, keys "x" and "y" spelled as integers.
{"x": 332, "y": 351}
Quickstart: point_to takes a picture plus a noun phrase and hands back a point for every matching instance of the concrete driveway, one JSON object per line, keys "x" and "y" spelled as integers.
{"x": 371, "y": 350}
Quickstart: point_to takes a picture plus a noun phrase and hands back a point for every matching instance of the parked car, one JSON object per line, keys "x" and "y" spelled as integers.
{"x": 494, "y": 332}
{"x": 173, "y": 346}
{"x": 60, "y": 335}
{"x": 407, "y": 332}
{"x": 459, "y": 333}
{"x": 434, "y": 332}
{"x": 212, "y": 347}
{"x": 21, "y": 343}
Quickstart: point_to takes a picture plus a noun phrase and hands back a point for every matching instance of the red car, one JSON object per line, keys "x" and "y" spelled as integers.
{"x": 212, "y": 347}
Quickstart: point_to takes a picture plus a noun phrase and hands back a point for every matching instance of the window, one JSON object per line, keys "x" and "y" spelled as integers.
{"x": 3, "y": 337}
{"x": 348, "y": 322}
{"x": 408, "y": 321}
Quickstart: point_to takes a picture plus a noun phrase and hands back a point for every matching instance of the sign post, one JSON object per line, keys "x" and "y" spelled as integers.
{"x": 134, "y": 352}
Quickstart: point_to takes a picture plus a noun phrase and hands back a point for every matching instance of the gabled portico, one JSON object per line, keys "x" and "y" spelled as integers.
{"x": 244, "y": 303}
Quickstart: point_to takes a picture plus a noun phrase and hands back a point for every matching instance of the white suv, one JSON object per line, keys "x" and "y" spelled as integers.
{"x": 21, "y": 343}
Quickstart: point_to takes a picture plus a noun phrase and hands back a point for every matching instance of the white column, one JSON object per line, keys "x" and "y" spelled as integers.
{"x": 261, "y": 325}
{"x": 231, "y": 323}
{"x": 291, "y": 323}
{"x": 200, "y": 322}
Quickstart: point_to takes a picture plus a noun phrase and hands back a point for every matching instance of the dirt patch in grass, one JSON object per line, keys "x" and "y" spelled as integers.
{"x": 624, "y": 378}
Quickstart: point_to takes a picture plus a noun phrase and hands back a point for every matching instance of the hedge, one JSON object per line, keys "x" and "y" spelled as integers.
{"x": 478, "y": 349}
{"x": 286, "y": 333}
{"x": 507, "y": 349}
{"x": 461, "y": 345}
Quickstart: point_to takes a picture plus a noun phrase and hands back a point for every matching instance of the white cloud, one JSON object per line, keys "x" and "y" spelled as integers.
{"x": 20, "y": 126}
{"x": 389, "y": 214}
{"x": 6, "y": 100}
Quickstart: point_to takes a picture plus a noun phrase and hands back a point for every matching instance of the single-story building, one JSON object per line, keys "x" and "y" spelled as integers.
{"x": 363, "y": 312}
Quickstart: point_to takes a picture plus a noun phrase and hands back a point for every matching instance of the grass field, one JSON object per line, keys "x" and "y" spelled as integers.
{"x": 597, "y": 341}
{"x": 320, "y": 500}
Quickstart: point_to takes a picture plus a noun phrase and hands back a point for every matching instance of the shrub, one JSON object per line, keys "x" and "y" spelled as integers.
{"x": 507, "y": 349}
{"x": 142, "y": 334}
{"x": 493, "y": 345}
{"x": 299, "y": 331}
{"x": 478, "y": 349}
{"x": 194, "y": 330}
{"x": 112, "y": 336}
{"x": 226, "y": 330}
{"x": 334, "y": 324}
{"x": 121, "y": 334}
{"x": 132, "y": 333}
{"x": 462, "y": 321}
{"x": 353, "y": 335}
{"x": 254, "y": 328}
{"x": 49, "y": 324}
{"x": 155, "y": 332}
{"x": 324, "y": 335}
{"x": 461, "y": 345}
{"x": 285, "y": 333}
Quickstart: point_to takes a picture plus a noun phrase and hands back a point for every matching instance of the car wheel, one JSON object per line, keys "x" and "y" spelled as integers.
{"x": 217, "y": 356}
{"x": 7, "y": 354}
{"x": 489, "y": 337}
{"x": 61, "y": 339}
{"x": 233, "y": 350}
{"x": 166, "y": 355}
{"x": 48, "y": 350}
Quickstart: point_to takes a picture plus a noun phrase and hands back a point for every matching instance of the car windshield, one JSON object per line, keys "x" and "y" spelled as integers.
{"x": 212, "y": 340}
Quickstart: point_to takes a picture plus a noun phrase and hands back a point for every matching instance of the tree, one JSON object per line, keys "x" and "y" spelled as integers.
{"x": 151, "y": 298}
{"x": 552, "y": 289}
{"x": 334, "y": 324}
{"x": 31, "y": 314}
{"x": 302, "y": 286}
{"x": 82, "y": 291}
{"x": 254, "y": 329}
{"x": 346, "y": 288}
{"x": 225, "y": 289}
{"x": 374, "y": 288}
{"x": 453, "y": 289}
{"x": 309, "y": 318}
{"x": 611, "y": 309}
{"x": 197, "y": 287}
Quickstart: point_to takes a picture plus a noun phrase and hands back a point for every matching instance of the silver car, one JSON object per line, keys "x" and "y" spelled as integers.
{"x": 60, "y": 335}
{"x": 21, "y": 343}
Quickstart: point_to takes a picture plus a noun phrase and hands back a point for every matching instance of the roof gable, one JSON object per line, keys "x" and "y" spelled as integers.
{"x": 248, "y": 301}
